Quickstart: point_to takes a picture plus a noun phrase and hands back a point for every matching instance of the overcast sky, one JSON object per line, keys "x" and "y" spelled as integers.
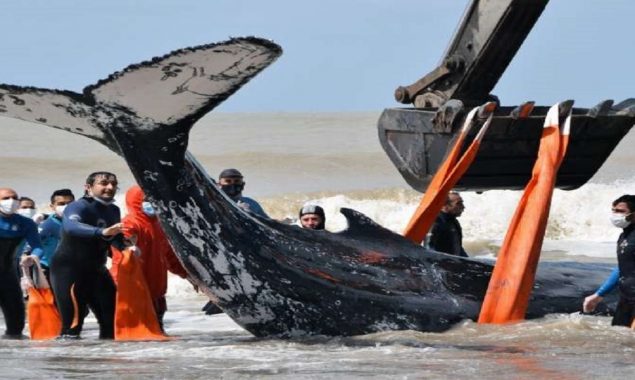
{"x": 339, "y": 55}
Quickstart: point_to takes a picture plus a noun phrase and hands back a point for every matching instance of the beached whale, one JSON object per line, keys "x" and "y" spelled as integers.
{"x": 272, "y": 279}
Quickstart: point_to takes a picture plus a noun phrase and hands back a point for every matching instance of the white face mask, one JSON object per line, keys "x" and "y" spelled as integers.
{"x": 103, "y": 201}
{"x": 9, "y": 206}
{"x": 59, "y": 210}
{"x": 147, "y": 208}
{"x": 619, "y": 220}
{"x": 27, "y": 212}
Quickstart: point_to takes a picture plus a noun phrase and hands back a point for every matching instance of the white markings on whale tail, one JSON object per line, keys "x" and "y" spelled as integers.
{"x": 187, "y": 83}
{"x": 178, "y": 88}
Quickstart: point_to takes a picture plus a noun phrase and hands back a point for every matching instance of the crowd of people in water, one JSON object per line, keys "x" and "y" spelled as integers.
{"x": 73, "y": 242}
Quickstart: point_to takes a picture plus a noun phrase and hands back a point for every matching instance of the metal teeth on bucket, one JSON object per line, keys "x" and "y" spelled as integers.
{"x": 509, "y": 148}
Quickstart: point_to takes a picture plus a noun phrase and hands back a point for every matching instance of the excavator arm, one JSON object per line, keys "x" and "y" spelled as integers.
{"x": 488, "y": 36}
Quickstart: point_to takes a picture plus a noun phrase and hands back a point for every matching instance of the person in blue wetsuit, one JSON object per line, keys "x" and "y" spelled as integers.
{"x": 624, "y": 275}
{"x": 79, "y": 276}
{"x": 51, "y": 229}
{"x": 14, "y": 229}
{"x": 232, "y": 183}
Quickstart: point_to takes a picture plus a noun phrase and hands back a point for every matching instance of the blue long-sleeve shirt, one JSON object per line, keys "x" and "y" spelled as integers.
{"x": 15, "y": 228}
{"x": 254, "y": 206}
{"x": 610, "y": 283}
{"x": 50, "y": 235}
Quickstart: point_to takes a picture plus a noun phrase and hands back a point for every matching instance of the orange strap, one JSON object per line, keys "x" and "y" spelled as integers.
{"x": 511, "y": 283}
{"x": 135, "y": 317}
{"x": 444, "y": 180}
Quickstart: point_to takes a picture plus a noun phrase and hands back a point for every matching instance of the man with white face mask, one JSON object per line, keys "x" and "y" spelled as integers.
{"x": 624, "y": 275}
{"x": 79, "y": 276}
{"x": 27, "y": 207}
{"x": 51, "y": 228}
{"x": 13, "y": 229}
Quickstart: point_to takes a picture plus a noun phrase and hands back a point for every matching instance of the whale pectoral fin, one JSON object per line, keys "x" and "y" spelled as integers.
{"x": 187, "y": 83}
{"x": 58, "y": 109}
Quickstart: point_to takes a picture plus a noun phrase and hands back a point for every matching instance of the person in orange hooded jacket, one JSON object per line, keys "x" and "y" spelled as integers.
{"x": 157, "y": 257}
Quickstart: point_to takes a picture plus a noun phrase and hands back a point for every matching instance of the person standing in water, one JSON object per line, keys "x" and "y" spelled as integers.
{"x": 157, "y": 257}
{"x": 14, "y": 228}
{"x": 78, "y": 270}
{"x": 446, "y": 234}
{"x": 51, "y": 228}
{"x": 232, "y": 183}
{"x": 312, "y": 217}
{"x": 621, "y": 217}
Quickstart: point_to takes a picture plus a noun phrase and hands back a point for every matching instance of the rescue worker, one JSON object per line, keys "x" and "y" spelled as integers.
{"x": 142, "y": 227}
{"x": 622, "y": 217}
{"x": 446, "y": 234}
{"x": 14, "y": 229}
{"x": 79, "y": 276}
{"x": 312, "y": 217}
{"x": 51, "y": 228}
{"x": 232, "y": 183}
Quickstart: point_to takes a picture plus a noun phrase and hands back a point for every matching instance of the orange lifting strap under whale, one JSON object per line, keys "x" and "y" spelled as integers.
{"x": 44, "y": 319}
{"x": 135, "y": 317}
{"x": 449, "y": 173}
{"x": 511, "y": 283}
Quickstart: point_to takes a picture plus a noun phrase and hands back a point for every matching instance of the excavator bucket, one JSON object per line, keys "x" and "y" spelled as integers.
{"x": 490, "y": 33}
{"x": 508, "y": 151}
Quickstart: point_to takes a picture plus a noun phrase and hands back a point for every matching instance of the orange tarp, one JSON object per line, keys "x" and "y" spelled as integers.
{"x": 44, "y": 319}
{"x": 511, "y": 283}
{"x": 135, "y": 317}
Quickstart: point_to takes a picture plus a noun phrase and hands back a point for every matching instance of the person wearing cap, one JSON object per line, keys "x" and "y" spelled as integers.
{"x": 312, "y": 217}
{"x": 232, "y": 183}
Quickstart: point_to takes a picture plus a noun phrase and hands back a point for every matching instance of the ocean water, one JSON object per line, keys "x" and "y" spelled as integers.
{"x": 334, "y": 160}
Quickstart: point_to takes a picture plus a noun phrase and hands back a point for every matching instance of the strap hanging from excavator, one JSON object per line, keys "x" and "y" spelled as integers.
{"x": 511, "y": 283}
{"x": 448, "y": 175}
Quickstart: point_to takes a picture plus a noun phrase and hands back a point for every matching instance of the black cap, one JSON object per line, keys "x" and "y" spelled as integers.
{"x": 230, "y": 173}
{"x": 312, "y": 209}
{"x": 317, "y": 210}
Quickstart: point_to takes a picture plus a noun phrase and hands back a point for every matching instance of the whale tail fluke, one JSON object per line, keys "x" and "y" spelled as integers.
{"x": 173, "y": 91}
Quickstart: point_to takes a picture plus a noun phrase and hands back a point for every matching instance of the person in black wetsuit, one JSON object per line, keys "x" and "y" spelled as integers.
{"x": 14, "y": 229}
{"x": 446, "y": 234}
{"x": 78, "y": 270}
{"x": 312, "y": 217}
{"x": 622, "y": 217}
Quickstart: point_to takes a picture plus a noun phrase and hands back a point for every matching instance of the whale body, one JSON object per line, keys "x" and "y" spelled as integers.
{"x": 273, "y": 279}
